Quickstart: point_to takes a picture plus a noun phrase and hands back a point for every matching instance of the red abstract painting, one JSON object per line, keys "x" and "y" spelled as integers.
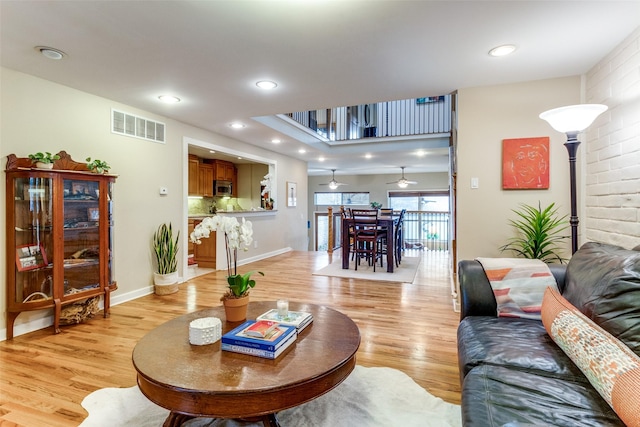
{"x": 525, "y": 163}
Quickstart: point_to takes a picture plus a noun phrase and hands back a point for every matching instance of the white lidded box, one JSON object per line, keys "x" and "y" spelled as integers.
{"x": 205, "y": 330}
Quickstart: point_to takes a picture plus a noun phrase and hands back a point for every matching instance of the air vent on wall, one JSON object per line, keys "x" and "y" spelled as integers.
{"x": 135, "y": 126}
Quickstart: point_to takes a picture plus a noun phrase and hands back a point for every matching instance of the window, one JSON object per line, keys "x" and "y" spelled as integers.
{"x": 338, "y": 199}
{"x": 436, "y": 201}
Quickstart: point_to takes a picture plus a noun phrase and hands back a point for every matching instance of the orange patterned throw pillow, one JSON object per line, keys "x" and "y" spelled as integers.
{"x": 610, "y": 366}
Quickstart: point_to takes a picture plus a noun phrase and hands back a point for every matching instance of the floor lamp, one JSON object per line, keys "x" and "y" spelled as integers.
{"x": 572, "y": 120}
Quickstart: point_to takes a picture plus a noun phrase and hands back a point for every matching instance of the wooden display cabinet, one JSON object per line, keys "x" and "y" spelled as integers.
{"x": 59, "y": 237}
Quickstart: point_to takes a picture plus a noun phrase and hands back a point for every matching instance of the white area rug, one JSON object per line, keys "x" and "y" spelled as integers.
{"x": 369, "y": 397}
{"x": 404, "y": 274}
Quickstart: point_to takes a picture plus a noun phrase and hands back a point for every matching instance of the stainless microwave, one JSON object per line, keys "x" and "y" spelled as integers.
{"x": 222, "y": 188}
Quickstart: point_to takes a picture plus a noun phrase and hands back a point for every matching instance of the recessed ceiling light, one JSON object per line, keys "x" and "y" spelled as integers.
{"x": 502, "y": 50}
{"x": 212, "y": 151}
{"x": 266, "y": 84}
{"x": 421, "y": 153}
{"x": 237, "y": 125}
{"x": 51, "y": 53}
{"x": 368, "y": 156}
{"x": 169, "y": 99}
{"x": 321, "y": 159}
{"x": 302, "y": 151}
{"x": 276, "y": 141}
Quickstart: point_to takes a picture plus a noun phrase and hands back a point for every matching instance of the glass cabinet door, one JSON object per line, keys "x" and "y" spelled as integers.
{"x": 33, "y": 213}
{"x": 81, "y": 235}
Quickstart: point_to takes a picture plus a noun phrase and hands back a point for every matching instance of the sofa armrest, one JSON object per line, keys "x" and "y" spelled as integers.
{"x": 476, "y": 295}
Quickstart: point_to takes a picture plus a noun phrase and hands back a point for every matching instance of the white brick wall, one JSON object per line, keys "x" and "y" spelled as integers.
{"x": 612, "y": 184}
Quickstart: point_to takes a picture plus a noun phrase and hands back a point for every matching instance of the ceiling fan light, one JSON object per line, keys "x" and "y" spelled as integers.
{"x": 333, "y": 185}
{"x": 403, "y": 184}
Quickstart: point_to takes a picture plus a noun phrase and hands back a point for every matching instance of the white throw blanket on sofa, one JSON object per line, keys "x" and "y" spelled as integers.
{"x": 518, "y": 285}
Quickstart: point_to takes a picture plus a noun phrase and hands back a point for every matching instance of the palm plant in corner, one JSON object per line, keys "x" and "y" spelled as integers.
{"x": 539, "y": 233}
{"x": 236, "y": 236}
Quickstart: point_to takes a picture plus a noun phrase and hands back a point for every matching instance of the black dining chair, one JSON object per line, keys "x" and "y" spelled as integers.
{"x": 345, "y": 214}
{"x": 399, "y": 238}
{"x": 367, "y": 236}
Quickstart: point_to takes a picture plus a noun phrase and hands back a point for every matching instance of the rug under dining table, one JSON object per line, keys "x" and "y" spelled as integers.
{"x": 405, "y": 273}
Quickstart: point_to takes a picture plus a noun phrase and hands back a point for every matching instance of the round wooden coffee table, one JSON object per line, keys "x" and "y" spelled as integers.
{"x": 204, "y": 381}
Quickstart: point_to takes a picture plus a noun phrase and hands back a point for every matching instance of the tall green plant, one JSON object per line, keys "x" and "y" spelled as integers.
{"x": 539, "y": 233}
{"x": 166, "y": 249}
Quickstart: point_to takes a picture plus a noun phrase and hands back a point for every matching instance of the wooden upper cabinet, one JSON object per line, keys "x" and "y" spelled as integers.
{"x": 224, "y": 171}
{"x": 194, "y": 179}
{"x": 202, "y": 173}
{"x": 205, "y": 179}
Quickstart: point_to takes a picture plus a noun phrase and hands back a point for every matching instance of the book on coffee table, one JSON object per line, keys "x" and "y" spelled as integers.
{"x": 299, "y": 319}
{"x": 259, "y": 352}
{"x": 270, "y": 342}
{"x": 261, "y": 328}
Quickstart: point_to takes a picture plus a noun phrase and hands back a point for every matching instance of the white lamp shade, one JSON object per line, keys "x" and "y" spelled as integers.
{"x": 573, "y": 118}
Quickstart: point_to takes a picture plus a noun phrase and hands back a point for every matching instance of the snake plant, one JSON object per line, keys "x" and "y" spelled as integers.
{"x": 166, "y": 249}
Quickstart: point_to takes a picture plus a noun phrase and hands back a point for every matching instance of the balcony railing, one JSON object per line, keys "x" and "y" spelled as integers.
{"x": 404, "y": 118}
{"x": 422, "y": 230}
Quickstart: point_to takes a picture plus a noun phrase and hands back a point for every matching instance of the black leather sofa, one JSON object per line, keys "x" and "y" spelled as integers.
{"x": 511, "y": 371}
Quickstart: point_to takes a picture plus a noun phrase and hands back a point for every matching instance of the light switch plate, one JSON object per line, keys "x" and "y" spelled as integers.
{"x": 475, "y": 183}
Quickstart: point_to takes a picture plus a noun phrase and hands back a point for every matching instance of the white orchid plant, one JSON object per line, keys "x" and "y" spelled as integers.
{"x": 266, "y": 182}
{"x": 236, "y": 236}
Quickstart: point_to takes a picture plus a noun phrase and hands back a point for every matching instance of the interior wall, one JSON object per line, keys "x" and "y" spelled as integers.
{"x": 38, "y": 115}
{"x": 486, "y": 116}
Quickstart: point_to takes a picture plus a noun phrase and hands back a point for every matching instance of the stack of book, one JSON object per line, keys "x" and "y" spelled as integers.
{"x": 260, "y": 338}
{"x": 299, "y": 319}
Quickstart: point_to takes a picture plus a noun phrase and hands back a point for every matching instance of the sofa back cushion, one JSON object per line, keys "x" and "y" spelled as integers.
{"x": 603, "y": 282}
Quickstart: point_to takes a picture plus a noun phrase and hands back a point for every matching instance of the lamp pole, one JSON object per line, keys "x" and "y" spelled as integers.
{"x": 572, "y": 147}
{"x": 571, "y": 120}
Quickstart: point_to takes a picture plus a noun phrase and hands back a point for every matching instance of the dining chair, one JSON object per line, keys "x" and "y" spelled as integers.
{"x": 386, "y": 211}
{"x": 345, "y": 215}
{"x": 399, "y": 238}
{"x": 368, "y": 236}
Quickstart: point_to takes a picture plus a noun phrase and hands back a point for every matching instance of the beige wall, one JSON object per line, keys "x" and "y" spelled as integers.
{"x": 38, "y": 115}
{"x": 487, "y": 115}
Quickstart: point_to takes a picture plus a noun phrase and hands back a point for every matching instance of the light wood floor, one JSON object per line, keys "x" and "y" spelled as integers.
{"x": 410, "y": 327}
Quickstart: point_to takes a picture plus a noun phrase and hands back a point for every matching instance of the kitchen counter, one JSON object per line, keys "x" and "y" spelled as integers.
{"x": 246, "y": 213}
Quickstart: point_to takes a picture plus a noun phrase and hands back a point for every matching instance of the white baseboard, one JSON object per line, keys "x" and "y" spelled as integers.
{"x": 116, "y": 298}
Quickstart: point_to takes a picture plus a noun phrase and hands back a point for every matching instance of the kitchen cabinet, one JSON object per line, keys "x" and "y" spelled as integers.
{"x": 59, "y": 236}
{"x": 204, "y": 254}
{"x": 205, "y": 179}
{"x": 224, "y": 171}
{"x": 194, "y": 178}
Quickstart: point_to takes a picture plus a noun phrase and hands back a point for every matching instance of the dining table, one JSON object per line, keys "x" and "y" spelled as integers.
{"x": 388, "y": 222}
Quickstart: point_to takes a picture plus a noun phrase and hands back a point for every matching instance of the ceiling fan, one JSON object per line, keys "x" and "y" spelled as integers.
{"x": 333, "y": 184}
{"x": 403, "y": 182}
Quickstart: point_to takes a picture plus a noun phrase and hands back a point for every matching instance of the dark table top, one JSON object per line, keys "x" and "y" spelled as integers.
{"x": 206, "y": 381}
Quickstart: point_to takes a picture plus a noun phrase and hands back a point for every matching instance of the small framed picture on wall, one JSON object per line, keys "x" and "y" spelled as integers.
{"x": 292, "y": 195}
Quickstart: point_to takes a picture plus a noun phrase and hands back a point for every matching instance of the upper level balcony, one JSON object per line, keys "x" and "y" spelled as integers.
{"x": 393, "y": 119}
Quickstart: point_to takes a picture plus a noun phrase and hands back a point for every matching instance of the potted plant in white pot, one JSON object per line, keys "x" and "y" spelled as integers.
{"x": 236, "y": 235}
{"x": 165, "y": 248}
{"x": 43, "y": 160}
